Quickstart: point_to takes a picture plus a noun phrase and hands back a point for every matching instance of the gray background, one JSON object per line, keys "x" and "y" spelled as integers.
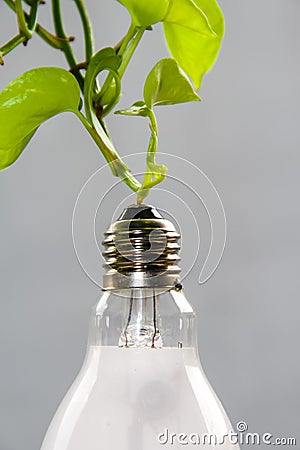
{"x": 245, "y": 137}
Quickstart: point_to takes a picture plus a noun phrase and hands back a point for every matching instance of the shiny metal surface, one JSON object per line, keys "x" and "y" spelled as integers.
{"x": 141, "y": 250}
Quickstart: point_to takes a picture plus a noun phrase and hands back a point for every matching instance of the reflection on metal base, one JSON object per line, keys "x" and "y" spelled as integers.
{"x": 141, "y": 250}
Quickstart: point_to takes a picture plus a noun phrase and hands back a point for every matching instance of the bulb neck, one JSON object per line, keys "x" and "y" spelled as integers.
{"x": 141, "y": 251}
{"x": 143, "y": 318}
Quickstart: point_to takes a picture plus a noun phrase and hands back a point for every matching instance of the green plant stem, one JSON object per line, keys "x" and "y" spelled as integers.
{"x": 107, "y": 109}
{"x": 79, "y": 66}
{"x": 10, "y": 45}
{"x": 126, "y": 49}
{"x": 23, "y": 27}
{"x": 151, "y": 168}
{"x": 26, "y": 30}
{"x": 48, "y": 37}
{"x": 129, "y": 49}
{"x": 66, "y": 47}
{"x": 129, "y": 43}
{"x": 59, "y": 29}
{"x": 32, "y": 20}
{"x": 118, "y": 167}
{"x": 151, "y": 149}
{"x": 87, "y": 29}
{"x": 54, "y": 41}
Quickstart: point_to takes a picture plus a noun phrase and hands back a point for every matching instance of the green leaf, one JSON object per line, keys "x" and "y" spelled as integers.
{"x": 167, "y": 84}
{"x": 137, "y": 109}
{"x": 146, "y": 12}
{"x": 27, "y": 102}
{"x": 192, "y": 41}
{"x": 187, "y": 14}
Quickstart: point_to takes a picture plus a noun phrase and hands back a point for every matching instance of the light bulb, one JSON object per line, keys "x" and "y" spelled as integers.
{"x": 141, "y": 386}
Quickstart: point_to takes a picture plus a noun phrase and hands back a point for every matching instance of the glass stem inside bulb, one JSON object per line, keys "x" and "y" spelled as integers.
{"x": 141, "y": 325}
{"x": 154, "y": 320}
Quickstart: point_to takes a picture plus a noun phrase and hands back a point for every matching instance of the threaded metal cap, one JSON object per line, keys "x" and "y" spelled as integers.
{"x": 141, "y": 250}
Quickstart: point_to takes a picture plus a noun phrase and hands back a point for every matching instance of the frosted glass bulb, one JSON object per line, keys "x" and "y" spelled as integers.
{"x": 141, "y": 386}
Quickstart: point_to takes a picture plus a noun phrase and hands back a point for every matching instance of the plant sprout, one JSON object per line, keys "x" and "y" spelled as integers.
{"x": 193, "y": 31}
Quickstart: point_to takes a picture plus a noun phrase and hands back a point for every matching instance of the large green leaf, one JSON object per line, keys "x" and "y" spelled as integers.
{"x": 167, "y": 84}
{"x": 146, "y": 12}
{"x": 27, "y": 102}
{"x": 187, "y": 14}
{"x": 192, "y": 41}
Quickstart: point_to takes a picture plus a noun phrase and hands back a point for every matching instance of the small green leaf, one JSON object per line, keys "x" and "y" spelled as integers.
{"x": 27, "y": 102}
{"x": 146, "y": 12}
{"x": 137, "y": 109}
{"x": 192, "y": 41}
{"x": 167, "y": 84}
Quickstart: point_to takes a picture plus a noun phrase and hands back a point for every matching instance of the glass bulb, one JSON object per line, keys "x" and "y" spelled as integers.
{"x": 141, "y": 386}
